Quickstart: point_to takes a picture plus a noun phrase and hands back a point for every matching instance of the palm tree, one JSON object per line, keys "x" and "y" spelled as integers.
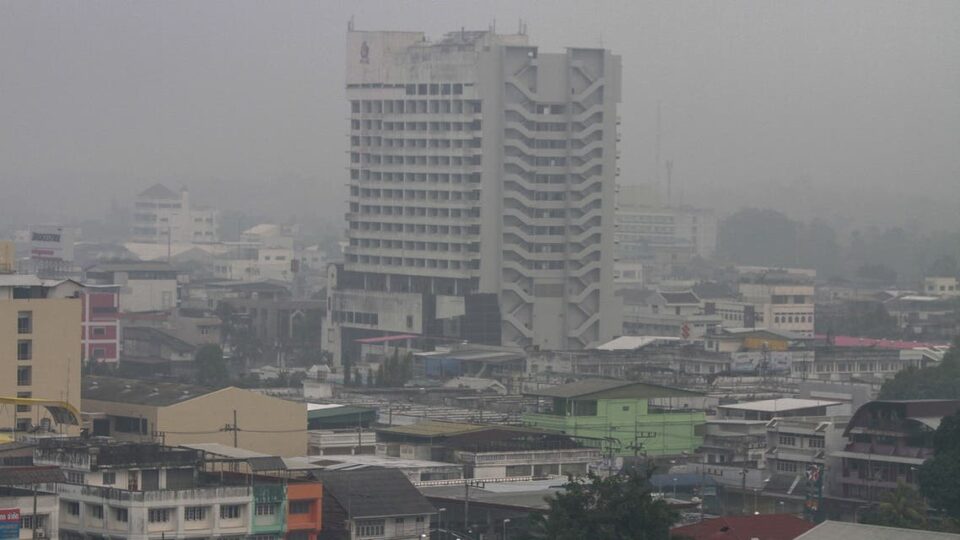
{"x": 903, "y": 507}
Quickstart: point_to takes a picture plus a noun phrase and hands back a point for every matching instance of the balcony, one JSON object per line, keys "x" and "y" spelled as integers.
{"x": 531, "y": 457}
{"x": 200, "y": 495}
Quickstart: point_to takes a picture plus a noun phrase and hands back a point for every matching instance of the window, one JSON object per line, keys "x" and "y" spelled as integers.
{"x": 24, "y": 376}
{"x": 99, "y": 331}
{"x": 420, "y": 519}
{"x": 24, "y": 349}
{"x": 95, "y": 511}
{"x": 266, "y": 509}
{"x": 786, "y": 466}
{"x": 788, "y": 440}
{"x": 109, "y": 478}
{"x": 230, "y": 511}
{"x": 815, "y": 443}
{"x": 120, "y": 514}
{"x": 27, "y": 522}
{"x": 72, "y": 508}
{"x": 158, "y": 515}
{"x": 369, "y": 528}
{"x": 75, "y": 477}
{"x": 24, "y": 408}
{"x": 299, "y": 507}
{"x": 398, "y": 521}
{"x": 194, "y": 513}
{"x": 25, "y": 322}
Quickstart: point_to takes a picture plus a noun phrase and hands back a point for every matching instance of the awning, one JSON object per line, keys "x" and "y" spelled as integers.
{"x": 62, "y": 412}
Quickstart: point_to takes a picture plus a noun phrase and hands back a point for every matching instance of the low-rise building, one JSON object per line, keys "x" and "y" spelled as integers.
{"x": 780, "y": 408}
{"x": 373, "y": 503}
{"x": 944, "y": 286}
{"x": 639, "y": 417}
{"x": 489, "y": 451}
{"x": 886, "y": 443}
{"x": 793, "y": 444}
{"x": 101, "y": 324}
{"x": 174, "y": 414}
{"x": 144, "y": 286}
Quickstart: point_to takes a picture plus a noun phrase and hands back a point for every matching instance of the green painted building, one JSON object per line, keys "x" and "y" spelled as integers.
{"x": 632, "y": 417}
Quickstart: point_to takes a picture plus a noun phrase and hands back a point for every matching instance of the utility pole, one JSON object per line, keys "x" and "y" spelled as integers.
{"x": 233, "y": 427}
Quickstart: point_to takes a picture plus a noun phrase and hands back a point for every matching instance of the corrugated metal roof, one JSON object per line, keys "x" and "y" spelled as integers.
{"x": 158, "y": 394}
{"x": 24, "y": 476}
{"x": 611, "y": 388}
{"x": 779, "y": 405}
{"x": 370, "y": 493}
{"x": 632, "y": 343}
{"x": 832, "y": 530}
{"x": 436, "y": 428}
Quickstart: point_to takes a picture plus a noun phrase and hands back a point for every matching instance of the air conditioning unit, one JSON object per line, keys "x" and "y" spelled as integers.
{"x": 40, "y": 533}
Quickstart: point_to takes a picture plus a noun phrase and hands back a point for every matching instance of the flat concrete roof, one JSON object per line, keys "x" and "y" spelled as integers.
{"x": 777, "y": 405}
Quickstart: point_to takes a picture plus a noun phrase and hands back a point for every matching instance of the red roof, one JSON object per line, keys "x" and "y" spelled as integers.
{"x": 759, "y": 527}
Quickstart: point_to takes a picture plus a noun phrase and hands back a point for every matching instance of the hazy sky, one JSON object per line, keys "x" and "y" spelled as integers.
{"x": 827, "y": 107}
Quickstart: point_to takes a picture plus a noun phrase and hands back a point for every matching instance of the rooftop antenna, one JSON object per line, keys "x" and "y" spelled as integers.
{"x": 656, "y": 157}
{"x": 669, "y": 181}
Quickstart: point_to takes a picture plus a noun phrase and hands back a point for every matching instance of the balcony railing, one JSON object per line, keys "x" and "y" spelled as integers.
{"x": 171, "y": 496}
{"x": 579, "y": 455}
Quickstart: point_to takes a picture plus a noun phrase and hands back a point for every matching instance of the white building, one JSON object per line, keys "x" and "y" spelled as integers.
{"x": 479, "y": 165}
{"x": 46, "y": 520}
{"x": 144, "y": 286}
{"x": 140, "y": 492}
{"x": 775, "y": 299}
{"x": 163, "y": 216}
{"x": 941, "y": 286}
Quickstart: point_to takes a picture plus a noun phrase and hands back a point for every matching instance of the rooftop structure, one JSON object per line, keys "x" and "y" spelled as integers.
{"x": 374, "y": 503}
{"x": 776, "y": 408}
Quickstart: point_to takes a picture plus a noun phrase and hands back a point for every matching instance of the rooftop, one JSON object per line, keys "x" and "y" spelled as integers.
{"x": 758, "y": 527}
{"x": 632, "y": 343}
{"x": 131, "y": 266}
{"x": 611, "y": 389}
{"x": 372, "y": 493}
{"x": 777, "y": 405}
{"x": 137, "y": 392}
{"x": 158, "y": 191}
{"x": 832, "y": 530}
{"x": 363, "y": 461}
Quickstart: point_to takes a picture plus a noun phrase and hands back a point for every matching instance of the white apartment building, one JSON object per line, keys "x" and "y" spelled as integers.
{"x": 140, "y": 492}
{"x": 161, "y": 215}
{"x": 481, "y": 166}
{"x": 655, "y": 233}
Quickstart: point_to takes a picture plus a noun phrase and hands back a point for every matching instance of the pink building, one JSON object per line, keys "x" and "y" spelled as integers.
{"x": 101, "y": 323}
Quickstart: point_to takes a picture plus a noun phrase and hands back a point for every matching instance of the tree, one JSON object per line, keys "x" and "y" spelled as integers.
{"x": 937, "y": 382}
{"x": 902, "y": 507}
{"x": 940, "y": 475}
{"x": 211, "y": 367}
{"x": 619, "y": 507}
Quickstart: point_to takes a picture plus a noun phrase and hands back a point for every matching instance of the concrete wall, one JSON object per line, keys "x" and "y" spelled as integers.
{"x": 56, "y": 351}
{"x": 283, "y": 423}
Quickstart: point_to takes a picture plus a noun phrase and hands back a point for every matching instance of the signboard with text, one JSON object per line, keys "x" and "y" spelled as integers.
{"x": 9, "y": 523}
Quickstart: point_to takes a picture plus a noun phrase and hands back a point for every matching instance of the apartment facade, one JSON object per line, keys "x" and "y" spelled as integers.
{"x": 40, "y": 327}
{"x": 475, "y": 171}
{"x": 886, "y": 443}
{"x": 143, "y": 286}
{"x": 101, "y": 324}
{"x": 162, "y": 216}
{"x": 141, "y": 491}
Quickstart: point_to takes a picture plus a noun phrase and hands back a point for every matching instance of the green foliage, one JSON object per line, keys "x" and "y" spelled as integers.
{"x": 902, "y": 507}
{"x": 211, "y": 367}
{"x": 394, "y": 372}
{"x": 940, "y": 475}
{"x": 619, "y": 507}
{"x": 937, "y": 382}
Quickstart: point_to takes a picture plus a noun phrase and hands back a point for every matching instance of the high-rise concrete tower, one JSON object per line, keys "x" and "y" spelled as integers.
{"x": 479, "y": 169}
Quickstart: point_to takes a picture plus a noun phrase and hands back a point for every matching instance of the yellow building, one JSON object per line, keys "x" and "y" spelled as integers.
{"x": 176, "y": 414}
{"x": 40, "y": 331}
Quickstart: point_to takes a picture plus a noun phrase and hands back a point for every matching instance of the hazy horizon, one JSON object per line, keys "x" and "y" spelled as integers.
{"x": 847, "y": 111}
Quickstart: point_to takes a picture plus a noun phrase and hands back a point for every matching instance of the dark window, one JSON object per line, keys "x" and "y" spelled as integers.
{"x": 24, "y": 349}
{"x": 299, "y": 507}
{"x": 24, "y": 408}
{"x": 24, "y": 376}
{"x": 25, "y": 322}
